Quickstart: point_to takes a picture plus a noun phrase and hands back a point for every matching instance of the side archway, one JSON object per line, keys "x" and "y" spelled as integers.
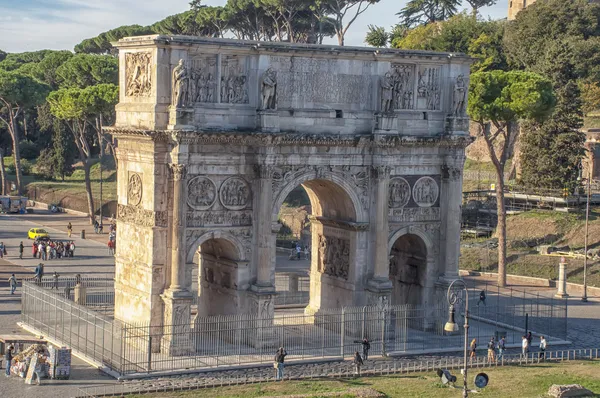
{"x": 411, "y": 264}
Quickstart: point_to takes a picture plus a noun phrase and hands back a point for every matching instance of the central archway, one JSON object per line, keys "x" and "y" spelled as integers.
{"x": 408, "y": 268}
{"x": 335, "y": 261}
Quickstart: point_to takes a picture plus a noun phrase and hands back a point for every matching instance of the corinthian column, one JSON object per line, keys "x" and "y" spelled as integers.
{"x": 178, "y": 229}
{"x": 380, "y": 283}
{"x": 264, "y": 229}
{"x": 452, "y": 185}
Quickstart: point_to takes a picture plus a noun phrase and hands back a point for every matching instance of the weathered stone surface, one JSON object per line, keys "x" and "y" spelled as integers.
{"x": 569, "y": 390}
{"x": 215, "y": 133}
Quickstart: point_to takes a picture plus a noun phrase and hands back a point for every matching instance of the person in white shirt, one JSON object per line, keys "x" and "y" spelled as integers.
{"x": 525, "y": 345}
{"x": 543, "y": 345}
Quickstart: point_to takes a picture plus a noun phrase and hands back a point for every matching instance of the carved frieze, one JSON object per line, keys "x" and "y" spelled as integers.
{"x": 334, "y": 256}
{"x": 138, "y": 74}
{"x": 215, "y": 217}
{"x": 202, "y": 193}
{"x": 429, "y": 88}
{"x": 451, "y": 172}
{"x": 235, "y": 193}
{"x": 134, "y": 189}
{"x": 145, "y": 218}
{"x": 414, "y": 214}
{"x": 399, "y": 193}
{"x": 403, "y": 79}
{"x": 202, "y": 79}
{"x": 425, "y": 192}
{"x": 234, "y": 82}
{"x": 178, "y": 171}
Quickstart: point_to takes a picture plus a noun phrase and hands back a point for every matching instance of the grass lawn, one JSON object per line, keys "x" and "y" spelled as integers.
{"x": 509, "y": 382}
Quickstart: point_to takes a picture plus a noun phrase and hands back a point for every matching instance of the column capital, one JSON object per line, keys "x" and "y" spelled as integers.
{"x": 381, "y": 171}
{"x": 263, "y": 171}
{"x": 178, "y": 171}
{"x": 450, "y": 172}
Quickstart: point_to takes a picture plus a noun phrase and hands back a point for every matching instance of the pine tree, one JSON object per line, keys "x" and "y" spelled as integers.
{"x": 62, "y": 154}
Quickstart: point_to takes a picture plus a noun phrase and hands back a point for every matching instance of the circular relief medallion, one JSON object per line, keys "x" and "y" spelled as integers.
{"x": 399, "y": 194}
{"x": 134, "y": 190}
{"x": 425, "y": 192}
{"x": 202, "y": 193}
{"x": 234, "y": 193}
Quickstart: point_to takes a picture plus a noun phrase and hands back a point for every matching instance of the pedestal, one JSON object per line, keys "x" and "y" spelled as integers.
{"x": 562, "y": 279}
{"x": 181, "y": 118}
{"x": 262, "y": 302}
{"x": 386, "y": 122}
{"x": 379, "y": 292}
{"x": 268, "y": 121}
{"x": 80, "y": 295}
{"x": 457, "y": 125}
{"x": 177, "y": 324}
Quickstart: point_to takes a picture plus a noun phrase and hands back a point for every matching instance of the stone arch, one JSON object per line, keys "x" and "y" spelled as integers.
{"x": 334, "y": 181}
{"x": 411, "y": 266}
{"x": 217, "y": 234}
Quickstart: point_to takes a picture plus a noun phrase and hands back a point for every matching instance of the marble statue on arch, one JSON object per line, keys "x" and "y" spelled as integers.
{"x": 269, "y": 89}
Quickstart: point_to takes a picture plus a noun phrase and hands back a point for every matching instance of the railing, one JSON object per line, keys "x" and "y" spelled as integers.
{"x": 293, "y": 289}
{"x": 344, "y": 370}
{"x": 245, "y": 340}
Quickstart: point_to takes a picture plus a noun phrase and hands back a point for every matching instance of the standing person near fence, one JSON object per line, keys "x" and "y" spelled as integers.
{"x": 12, "y": 282}
{"x": 491, "y": 353}
{"x": 366, "y": 346}
{"x": 8, "y": 356}
{"x": 473, "y": 349}
{"x": 481, "y": 298}
{"x": 21, "y": 248}
{"x": 39, "y": 273}
{"x": 55, "y": 276}
{"x": 69, "y": 229}
{"x": 357, "y": 362}
{"x": 501, "y": 348}
{"x": 2, "y": 250}
{"x": 529, "y": 338}
{"x": 543, "y": 346}
{"x": 525, "y": 346}
{"x": 279, "y": 359}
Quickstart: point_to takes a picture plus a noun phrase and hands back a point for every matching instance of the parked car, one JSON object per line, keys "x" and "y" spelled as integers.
{"x": 38, "y": 233}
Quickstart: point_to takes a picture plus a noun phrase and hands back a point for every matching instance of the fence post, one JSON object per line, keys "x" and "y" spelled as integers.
{"x": 383, "y": 333}
{"x": 343, "y": 333}
{"x": 149, "y": 353}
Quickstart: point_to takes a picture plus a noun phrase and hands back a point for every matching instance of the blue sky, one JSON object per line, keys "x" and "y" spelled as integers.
{"x": 29, "y": 25}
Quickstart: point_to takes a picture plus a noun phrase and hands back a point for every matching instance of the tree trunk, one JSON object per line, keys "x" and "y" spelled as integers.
{"x": 501, "y": 228}
{"x": 2, "y": 173}
{"x": 88, "y": 189}
{"x": 14, "y": 132}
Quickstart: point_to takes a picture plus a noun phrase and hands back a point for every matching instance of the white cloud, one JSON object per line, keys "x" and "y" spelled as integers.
{"x": 60, "y": 24}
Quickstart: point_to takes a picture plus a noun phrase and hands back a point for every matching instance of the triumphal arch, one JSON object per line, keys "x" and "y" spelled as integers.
{"x": 213, "y": 134}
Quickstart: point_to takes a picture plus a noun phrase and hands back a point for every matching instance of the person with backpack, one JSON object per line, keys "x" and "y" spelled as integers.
{"x": 366, "y": 346}
{"x": 501, "y": 348}
{"x": 357, "y": 362}
{"x": 491, "y": 353}
{"x": 279, "y": 360}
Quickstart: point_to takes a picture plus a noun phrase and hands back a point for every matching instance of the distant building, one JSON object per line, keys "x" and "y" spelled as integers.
{"x": 514, "y": 6}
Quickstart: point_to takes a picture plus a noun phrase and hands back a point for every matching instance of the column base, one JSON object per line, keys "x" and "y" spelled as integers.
{"x": 561, "y": 295}
{"x": 379, "y": 292}
{"x": 177, "y": 323}
{"x": 262, "y": 309}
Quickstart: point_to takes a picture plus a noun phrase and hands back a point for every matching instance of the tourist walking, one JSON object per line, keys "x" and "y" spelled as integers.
{"x": 8, "y": 356}
{"x": 2, "y": 250}
{"x": 501, "y": 348}
{"x": 39, "y": 273}
{"x": 298, "y": 251}
{"x": 111, "y": 247}
{"x": 279, "y": 359}
{"x": 491, "y": 353}
{"x": 543, "y": 345}
{"x": 481, "y": 298}
{"x": 366, "y": 346}
{"x": 529, "y": 337}
{"x": 69, "y": 229}
{"x": 21, "y": 248}
{"x": 12, "y": 282}
{"x": 358, "y": 362}
{"x": 473, "y": 349}
{"x": 525, "y": 346}
{"x": 96, "y": 225}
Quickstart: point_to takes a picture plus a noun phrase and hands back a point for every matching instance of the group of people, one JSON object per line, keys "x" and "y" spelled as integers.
{"x": 496, "y": 349}
{"x": 49, "y": 250}
{"x": 299, "y": 251}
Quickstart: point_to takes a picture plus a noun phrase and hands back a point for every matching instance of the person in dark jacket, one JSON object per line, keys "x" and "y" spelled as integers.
{"x": 357, "y": 362}
{"x": 366, "y": 346}
{"x": 279, "y": 360}
{"x": 8, "y": 356}
{"x": 481, "y": 298}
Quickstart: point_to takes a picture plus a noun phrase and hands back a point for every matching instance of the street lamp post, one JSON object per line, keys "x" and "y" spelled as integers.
{"x": 585, "y": 240}
{"x": 452, "y": 326}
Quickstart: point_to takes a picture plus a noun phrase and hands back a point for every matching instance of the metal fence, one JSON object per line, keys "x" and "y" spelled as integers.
{"x": 347, "y": 371}
{"x": 244, "y": 340}
{"x": 293, "y": 289}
